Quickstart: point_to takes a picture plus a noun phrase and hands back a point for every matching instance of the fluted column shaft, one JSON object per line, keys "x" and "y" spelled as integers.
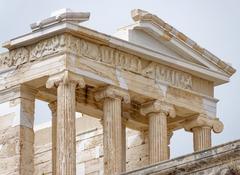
{"x": 114, "y": 139}
{"x": 201, "y": 138}
{"x": 158, "y": 141}
{"x": 124, "y": 146}
{"x": 53, "y": 108}
{"x": 169, "y": 135}
{"x": 66, "y": 83}
{"x": 66, "y": 144}
{"x": 158, "y": 111}
{"x": 112, "y": 136}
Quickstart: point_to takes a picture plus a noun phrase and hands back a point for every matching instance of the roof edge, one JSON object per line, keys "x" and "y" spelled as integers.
{"x": 139, "y": 15}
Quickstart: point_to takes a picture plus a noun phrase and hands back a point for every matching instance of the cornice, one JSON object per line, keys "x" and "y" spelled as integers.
{"x": 139, "y": 15}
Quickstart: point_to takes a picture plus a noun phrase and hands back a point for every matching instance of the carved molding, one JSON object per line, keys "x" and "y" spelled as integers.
{"x": 96, "y": 52}
{"x": 65, "y": 77}
{"x": 5, "y": 60}
{"x": 112, "y": 92}
{"x": 16, "y": 57}
{"x": 47, "y": 47}
{"x": 157, "y": 106}
{"x": 135, "y": 64}
{"x": 203, "y": 121}
{"x": 19, "y": 56}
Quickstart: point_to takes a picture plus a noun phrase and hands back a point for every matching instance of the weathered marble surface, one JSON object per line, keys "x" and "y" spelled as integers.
{"x": 213, "y": 161}
{"x": 89, "y": 148}
{"x": 16, "y": 132}
{"x": 90, "y": 154}
{"x": 78, "y": 61}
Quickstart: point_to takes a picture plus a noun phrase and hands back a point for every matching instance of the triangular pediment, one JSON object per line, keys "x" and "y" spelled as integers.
{"x": 144, "y": 38}
{"x": 151, "y": 32}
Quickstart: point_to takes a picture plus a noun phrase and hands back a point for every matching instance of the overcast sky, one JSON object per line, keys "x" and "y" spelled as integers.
{"x": 214, "y": 24}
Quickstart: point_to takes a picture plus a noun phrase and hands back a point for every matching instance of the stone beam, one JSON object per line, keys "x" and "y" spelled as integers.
{"x": 98, "y": 64}
{"x": 87, "y": 105}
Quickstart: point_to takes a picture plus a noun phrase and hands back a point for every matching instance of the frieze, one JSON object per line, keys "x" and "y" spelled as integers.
{"x": 89, "y": 50}
{"x": 19, "y": 56}
{"x": 23, "y": 55}
{"x": 120, "y": 59}
{"x": 47, "y": 47}
{"x": 15, "y": 58}
{"x": 99, "y": 53}
{"x": 137, "y": 65}
{"x": 5, "y": 60}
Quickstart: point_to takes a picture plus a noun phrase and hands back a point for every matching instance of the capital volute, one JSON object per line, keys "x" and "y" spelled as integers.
{"x": 65, "y": 77}
{"x": 158, "y": 106}
{"x": 112, "y": 92}
{"x": 203, "y": 121}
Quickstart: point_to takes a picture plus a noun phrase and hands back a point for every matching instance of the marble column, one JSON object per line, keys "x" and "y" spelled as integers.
{"x": 170, "y": 134}
{"x": 112, "y": 128}
{"x": 202, "y": 137}
{"x": 158, "y": 137}
{"x": 66, "y": 83}
{"x": 53, "y": 108}
{"x": 124, "y": 146}
{"x": 158, "y": 111}
{"x": 201, "y": 127}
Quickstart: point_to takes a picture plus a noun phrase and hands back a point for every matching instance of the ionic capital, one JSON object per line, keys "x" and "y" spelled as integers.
{"x": 112, "y": 92}
{"x": 65, "y": 77}
{"x": 158, "y": 106}
{"x": 203, "y": 121}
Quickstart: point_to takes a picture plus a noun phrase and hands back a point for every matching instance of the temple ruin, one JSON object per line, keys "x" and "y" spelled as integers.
{"x": 131, "y": 91}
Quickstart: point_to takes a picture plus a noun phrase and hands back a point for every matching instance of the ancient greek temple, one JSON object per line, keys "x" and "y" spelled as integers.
{"x": 148, "y": 78}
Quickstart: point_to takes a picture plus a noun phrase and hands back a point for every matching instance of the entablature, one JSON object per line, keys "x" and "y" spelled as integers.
{"x": 62, "y": 27}
{"x": 102, "y": 65}
{"x": 67, "y": 43}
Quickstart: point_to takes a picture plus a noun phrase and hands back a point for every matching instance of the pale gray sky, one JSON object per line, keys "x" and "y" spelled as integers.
{"x": 214, "y": 24}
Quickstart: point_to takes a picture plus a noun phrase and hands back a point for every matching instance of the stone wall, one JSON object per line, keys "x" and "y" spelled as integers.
{"x": 9, "y": 150}
{"x": 16, "y": 132}
{"x": 89, "y": 148}
{"x": 220, "y": 160}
